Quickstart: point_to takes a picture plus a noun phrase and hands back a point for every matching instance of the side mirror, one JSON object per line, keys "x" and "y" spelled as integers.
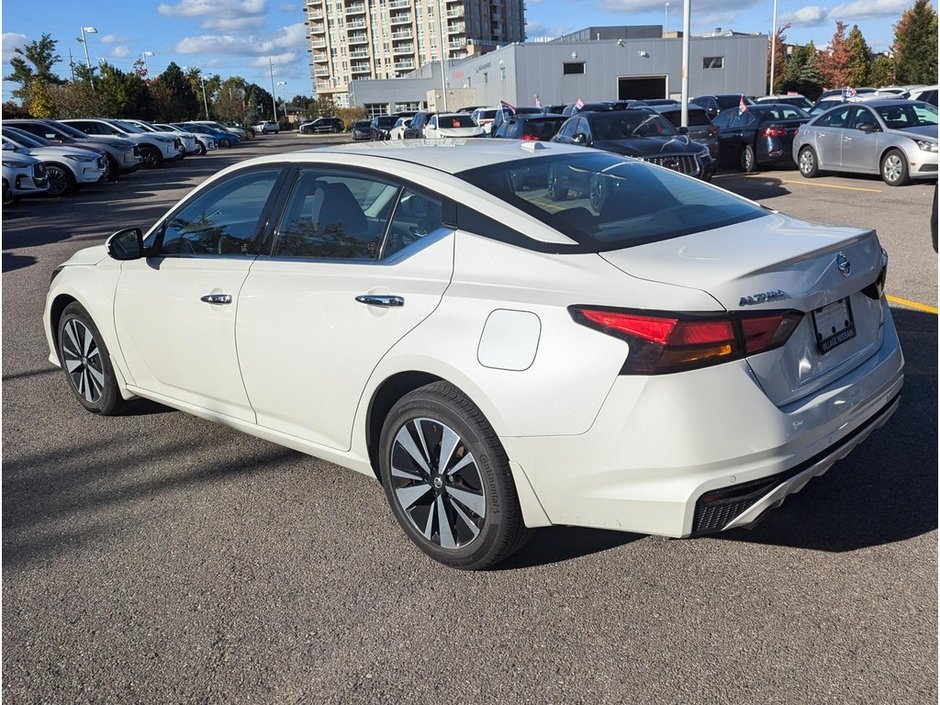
{"x": 126, "y": 244}
{"x": 868, "y": 127}
{"x": 683, "y": 130}
{"x": 580, "y": 138}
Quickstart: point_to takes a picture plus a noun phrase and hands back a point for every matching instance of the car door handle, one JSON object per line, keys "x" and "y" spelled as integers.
{"x": 380, "y": 300}
{"x": 217, "y": 298}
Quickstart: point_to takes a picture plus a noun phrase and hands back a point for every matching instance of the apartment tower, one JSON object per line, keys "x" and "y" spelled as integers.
{"x": 361, "y": 39}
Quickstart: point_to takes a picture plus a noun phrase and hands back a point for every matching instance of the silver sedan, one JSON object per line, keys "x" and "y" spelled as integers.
{"x": 894, "y": 138}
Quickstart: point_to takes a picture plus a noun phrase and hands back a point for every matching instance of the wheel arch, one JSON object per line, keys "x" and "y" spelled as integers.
{"x": 55, "y": 315}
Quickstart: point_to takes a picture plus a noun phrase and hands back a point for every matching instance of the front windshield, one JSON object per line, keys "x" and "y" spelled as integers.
{"x": 127, "y": 127}
{"x": 25, "y": 139}
{"x": 907, "y": 115}
{"x": 630, "y": 123}
{"x": 606, "y": 202}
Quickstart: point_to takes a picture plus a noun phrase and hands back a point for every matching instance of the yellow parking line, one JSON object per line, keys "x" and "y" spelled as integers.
{"x": 818, "y": 185}
{"x": 912, "y": 304}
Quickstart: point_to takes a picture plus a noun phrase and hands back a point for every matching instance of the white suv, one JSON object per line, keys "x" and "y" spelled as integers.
{"x": 154, "y": 148}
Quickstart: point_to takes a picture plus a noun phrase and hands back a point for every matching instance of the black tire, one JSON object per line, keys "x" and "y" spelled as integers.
{"x": 114, "y": 169}
{"x": 202, "y": 149}
{"x": 748, "y": 161}
{"x": 894, "y": 169}
{"x": 7, "y": 192}
{"x": 150, "y": 157}
{"x": 556, "y": 192}
{"x": 477, "y": 498}
{"x": 808, "y": 162}
{"x": 61, "y": 181}
{"x": 87, "y": 364}
{"x": 225, "y": 143}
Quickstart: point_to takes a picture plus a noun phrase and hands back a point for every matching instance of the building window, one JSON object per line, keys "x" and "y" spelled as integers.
{"x": 713, "y": 62}
{"x": 573, "y": 67}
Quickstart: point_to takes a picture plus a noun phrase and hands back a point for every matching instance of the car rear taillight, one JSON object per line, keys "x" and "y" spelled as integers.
{"x": 877, "y": 287}
{"x": 530, "y": 138}
{"x": 660, "y": 343}
{"x": 773, "y": 131}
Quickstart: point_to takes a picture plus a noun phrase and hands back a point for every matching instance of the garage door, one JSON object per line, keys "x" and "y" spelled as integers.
{"x": 641, "y": 87}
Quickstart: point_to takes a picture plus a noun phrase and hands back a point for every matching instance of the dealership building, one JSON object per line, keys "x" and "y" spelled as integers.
{"x": 596, "y": 63}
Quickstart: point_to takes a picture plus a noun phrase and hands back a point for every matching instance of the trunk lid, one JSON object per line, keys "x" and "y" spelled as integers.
{"x": 779, "y": 263}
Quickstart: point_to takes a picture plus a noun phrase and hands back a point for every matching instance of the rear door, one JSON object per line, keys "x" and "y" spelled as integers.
{"x": 830, "y": 129}
{"x": 358, "y": 260}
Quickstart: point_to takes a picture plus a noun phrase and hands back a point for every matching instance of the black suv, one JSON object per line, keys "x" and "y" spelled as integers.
{"x": 323, "y": 124}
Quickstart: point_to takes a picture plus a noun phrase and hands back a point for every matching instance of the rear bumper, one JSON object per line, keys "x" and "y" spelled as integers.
{"x": 662, "y": 447}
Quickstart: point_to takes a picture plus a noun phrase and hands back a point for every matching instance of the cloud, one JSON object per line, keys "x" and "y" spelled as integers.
{"x": 201, "y": 8}
{"x": 287, "y": 39}
{"x": 814, "y": 15}
{"x": 11, "y": 41}
{"x": 233, "y": 24}
{"x": 114, "y": 39}
{"x": 119, "y": 52}
{"x": 293, "y": 8}
{"x": 276, "y": 60}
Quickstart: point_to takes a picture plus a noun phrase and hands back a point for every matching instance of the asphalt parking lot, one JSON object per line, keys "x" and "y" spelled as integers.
{"x": 159, "y": 558}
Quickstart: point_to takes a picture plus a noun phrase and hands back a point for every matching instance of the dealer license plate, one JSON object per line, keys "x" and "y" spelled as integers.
{"x": 834, "y": 325}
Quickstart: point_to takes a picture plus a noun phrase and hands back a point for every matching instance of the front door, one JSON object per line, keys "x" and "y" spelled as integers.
{"x": 175, "y": 311}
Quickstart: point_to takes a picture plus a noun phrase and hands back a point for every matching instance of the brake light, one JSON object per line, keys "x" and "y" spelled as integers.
{"x": 773, "y": 131}
{"x": 530, "y": 138}
{"x": 660, "y": 343}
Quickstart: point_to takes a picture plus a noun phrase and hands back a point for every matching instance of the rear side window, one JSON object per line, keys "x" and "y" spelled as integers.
{"x": 606, "y": 202}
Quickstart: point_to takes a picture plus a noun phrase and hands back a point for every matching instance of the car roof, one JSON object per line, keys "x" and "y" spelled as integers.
{"x": 450, "y": 156}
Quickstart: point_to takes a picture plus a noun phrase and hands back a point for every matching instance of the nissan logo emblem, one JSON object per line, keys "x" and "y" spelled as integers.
{"x": 842, "y": 262}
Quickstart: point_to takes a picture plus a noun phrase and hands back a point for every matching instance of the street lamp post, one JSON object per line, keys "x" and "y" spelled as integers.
{"x": 90, "y": 30}
{"x": 442, "y": 10}
{"x": 280, "y": 83}
{"x": 143, "y": 58}
{"x": 773, "y": 49}
{"x": 666, "y": 21}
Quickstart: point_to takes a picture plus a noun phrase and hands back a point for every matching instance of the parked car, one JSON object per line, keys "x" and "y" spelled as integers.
{"x": 639, "y": 133}
{"x": 700, "y": 128}
{"x": 714, "y": 104}
{"x": 894, "y": 138}
{"x": 445, "y": 125}
{"x": 67, "y": 168}
{"x": 656, "y": 102}
{"x": 797, "y": 99}
{"x": 154, "y": 149}
{"x": 381, "y": 126}
{"x": 419, "y": 121}
{"x": 396, "y": 133}
{"x": 266, "y": 126}
{"x": 928, "y": 94}
{"x": 530, "y": 127}
{"x": 484, "y": 118}
{"x": 204, "y": 142}
{"x": 761, "y": 135}
{"x": 841, "y": 93}
{"x": 23, "y": 175}
{"x": 190, "y": 145}
{"x": 513, "y": 362}
{"x": 123, "y": 155}
{"x": 322, "y": 125}
{"x": 601, "y": 106}
{"x": 222, "y": 138}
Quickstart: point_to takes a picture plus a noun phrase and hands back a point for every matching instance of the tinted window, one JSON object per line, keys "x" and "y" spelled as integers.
{"x": 724, "y": 119}
{"x": 745, "y": 119}
{"x": 835, "y": 118}
{"x": 863, "y": 117}
{"x": 781, "y": 112}
{"x": 541, "y": 129}
{"x": 416, "y": 215}
{"x": 696, "y": 117}
{"x": 222, "y": 220}
{"x": 637, "y": 204}
{"x": 334, "y": 215}
{"x": 629, "y": 123}
{"x": 451, "y": 121}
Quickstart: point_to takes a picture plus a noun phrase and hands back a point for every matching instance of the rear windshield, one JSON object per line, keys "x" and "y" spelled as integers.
{"x": 781, "y": 112}
{"x": 544, "y": 129}
{"x": 607, "y": 202}
{"x": 386, "y": 120}
{"x": 696, "y": 117}
{"x": 450, "y": 121}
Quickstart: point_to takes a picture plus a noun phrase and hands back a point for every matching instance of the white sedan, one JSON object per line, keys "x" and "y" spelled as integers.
{"x": 672, "y": 359}
{"x": 452, "y": 125}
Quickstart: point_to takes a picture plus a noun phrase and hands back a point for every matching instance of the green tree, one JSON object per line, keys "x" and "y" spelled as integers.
{"x": 257, "y": 103}
{"x": 881, "y": 72}
{"x": 802, "y": 72}
{"x": 32, "y": 69}
{"x": 75, "y": 99}
{"x": 230, "y": 103}
{"x": 859, "y": 58}
{"x": 209, "y": 84}
{"x": 123, "y": 94}
{"x": 173, "y": 97}
{"x": 915, "y": 45}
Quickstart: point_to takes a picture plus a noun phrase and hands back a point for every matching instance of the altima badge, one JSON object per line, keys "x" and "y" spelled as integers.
{"x": 842, "y": 262}
{"x": 763, "y": 297}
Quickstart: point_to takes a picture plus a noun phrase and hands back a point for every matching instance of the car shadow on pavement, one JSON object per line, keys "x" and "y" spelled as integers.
{"x": 555, "y": 544}
{"x": 754, "y": 186}
{"x": 886, "y": 490}
{"x": 13, "y": 261}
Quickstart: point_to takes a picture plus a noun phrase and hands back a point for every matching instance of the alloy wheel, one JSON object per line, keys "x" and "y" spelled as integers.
{"x": 437, "y": 483}
{"x": 58, "y": 180}
{"x": 83, "y": 360}
{"x": 892, "y": 169}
